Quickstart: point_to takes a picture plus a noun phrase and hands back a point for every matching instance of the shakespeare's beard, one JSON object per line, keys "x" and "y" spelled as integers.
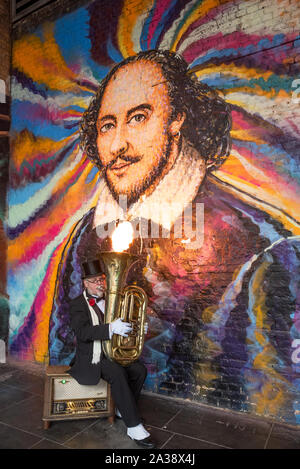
{"x": 139, "y": 178}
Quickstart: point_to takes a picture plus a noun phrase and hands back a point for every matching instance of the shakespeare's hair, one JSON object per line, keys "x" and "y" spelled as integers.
{"x": 208, "y": 117}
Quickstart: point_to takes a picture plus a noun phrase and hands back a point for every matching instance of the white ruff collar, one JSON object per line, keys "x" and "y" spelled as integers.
{"x": 166, "y": 203}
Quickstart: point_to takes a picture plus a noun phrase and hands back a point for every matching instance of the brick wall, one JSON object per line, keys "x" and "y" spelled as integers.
{"x": 5, "y": 44}
{"x": 244, "y": 359}
{"x": 5, "y": 54}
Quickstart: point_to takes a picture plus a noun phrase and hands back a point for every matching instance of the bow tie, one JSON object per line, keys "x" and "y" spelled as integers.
{"x": 94, "y": 299}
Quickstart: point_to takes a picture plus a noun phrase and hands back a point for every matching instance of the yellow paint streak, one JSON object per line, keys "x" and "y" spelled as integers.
{"x": 127, "y": 22}
{"x": 42, "y": 61}
{"x": 232, "y": 70}
{"x": 235, "y": 71}
{"x": 208, "y": 313}
{"x": 41, "y": 334}
{"x": 270, "y": 399}
{"x": 246, "y": 136}
{"x": 204, "y": 346}
{"x": 26, "y": 146}
{"x": 271, "y": 396}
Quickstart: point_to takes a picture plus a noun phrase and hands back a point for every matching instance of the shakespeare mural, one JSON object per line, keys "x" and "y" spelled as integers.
{"x": 191, "y": 135}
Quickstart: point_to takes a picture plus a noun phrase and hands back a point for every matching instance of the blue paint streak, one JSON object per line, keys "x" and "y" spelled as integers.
{"x": 113, "y": 53}
{"x": 92, "y": 174}
{"x": 266, "y": 229}
{"x": 22, "y": 194}
{"x": 161, "y": 24}
{"x": 71, "y": 34}
{"x": 284, "y": 163}
{"x": 40, "y": 128}
{"x": 221, "y": 81}
{"x": 57, "y": 93}
{"x": 214, "y": 53}
{"x": 75, "y": 107}
{"x": 254, "y": 348}
{"x": 145, "y": 29}
{"x": 216, "y": 330}
{"x": 274, "y": 82}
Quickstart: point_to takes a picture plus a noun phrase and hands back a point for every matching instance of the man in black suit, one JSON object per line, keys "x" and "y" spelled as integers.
{"x": 90, "y": 364}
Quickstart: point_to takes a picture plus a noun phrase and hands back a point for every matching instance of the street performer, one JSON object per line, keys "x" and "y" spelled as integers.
{"x": 90, "y": 364}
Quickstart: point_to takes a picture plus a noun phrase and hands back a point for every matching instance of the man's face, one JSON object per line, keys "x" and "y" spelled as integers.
{"x": 96, "y": 286}
{"x": 134, "y": 134}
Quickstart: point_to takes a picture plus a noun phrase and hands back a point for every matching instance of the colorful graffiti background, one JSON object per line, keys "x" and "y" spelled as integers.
{"x": 56, "y": 71}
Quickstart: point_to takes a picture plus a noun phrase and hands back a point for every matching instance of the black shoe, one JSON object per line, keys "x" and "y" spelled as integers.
{"x": 146, "y": 443}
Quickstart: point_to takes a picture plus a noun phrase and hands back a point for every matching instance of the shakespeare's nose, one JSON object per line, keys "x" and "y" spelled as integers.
{"x": 119, "y": 144}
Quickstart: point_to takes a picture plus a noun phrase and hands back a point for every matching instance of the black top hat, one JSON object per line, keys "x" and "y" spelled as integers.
{"x": 92, "y": 268}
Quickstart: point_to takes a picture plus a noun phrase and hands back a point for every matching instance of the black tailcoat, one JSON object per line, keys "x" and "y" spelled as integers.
{"x": 81, "y": 322}
{"x": 126, "y": 382}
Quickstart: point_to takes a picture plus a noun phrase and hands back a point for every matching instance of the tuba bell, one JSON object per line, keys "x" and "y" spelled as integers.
{"x": 128, "y": 303}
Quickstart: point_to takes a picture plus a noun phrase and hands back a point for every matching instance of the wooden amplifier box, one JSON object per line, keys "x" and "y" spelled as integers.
{"x": 65, "y": 399}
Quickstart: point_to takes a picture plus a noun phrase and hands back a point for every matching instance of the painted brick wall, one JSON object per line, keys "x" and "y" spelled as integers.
{"x": 231, "y": 337}
{"x": 5, "y": 53}
{"x": 5, "y": 44}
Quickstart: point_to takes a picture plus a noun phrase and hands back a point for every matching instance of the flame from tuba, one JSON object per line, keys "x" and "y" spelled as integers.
{"x": 129, "y": 304}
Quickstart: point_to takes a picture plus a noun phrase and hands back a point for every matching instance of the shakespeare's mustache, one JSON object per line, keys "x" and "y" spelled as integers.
{"x": 126, "y": 158}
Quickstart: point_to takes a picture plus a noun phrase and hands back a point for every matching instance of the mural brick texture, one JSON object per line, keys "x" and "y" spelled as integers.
{"x": 202, "y": 137}
{"x": 5, "y": 53}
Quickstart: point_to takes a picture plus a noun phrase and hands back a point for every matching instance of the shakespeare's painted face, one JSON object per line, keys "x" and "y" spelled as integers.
{"x": 135, "y": 136}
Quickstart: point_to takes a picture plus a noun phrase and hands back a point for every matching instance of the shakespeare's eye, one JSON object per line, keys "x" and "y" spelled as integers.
{"x": 106, "y": 127}
{"x": 137, "y": 118}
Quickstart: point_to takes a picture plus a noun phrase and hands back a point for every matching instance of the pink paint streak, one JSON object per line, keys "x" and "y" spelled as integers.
{"x": 46, "y": 225}
{"x": 218, "y": 41}
{"x": 159, "y": 11}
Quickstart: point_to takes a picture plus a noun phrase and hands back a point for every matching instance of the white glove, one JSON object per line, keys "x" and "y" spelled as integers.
{"x": 121, "y": 328}
{"x": 146, "y": 327}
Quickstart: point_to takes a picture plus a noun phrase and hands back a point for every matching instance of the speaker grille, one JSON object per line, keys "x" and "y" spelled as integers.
{"x": 67, "y": 388}
{"x": 79, "y": 407}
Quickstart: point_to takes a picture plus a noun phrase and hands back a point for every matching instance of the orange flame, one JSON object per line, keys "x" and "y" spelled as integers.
{"x": 122, "y": 236}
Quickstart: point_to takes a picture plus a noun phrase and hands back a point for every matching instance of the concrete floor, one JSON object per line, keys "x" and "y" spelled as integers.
{"x": 173, "y": 424}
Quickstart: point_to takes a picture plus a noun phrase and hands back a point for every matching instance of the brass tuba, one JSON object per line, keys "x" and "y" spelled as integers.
{"x": 129, "y": 304}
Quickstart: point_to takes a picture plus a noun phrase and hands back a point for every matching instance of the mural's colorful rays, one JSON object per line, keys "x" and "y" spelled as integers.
{"x": 56, "y": 70}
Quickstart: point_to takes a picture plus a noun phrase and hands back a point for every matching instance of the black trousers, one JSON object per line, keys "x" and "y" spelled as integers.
{"x": 126, "y": 385}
